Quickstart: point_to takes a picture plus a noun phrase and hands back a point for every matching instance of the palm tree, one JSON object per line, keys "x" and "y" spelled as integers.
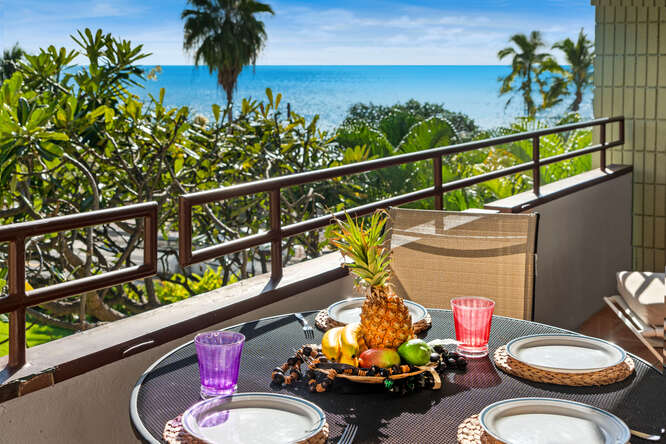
{"x": 225, "y": 35}
{"x": 10, "y": 57}
{"x": 525, "y": 65}
{"x": 580, "y": 56}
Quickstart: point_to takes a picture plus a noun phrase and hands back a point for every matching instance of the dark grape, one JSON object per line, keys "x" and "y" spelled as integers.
{"x": 296, "y": 372}
{"x": 395, "y": 370}
{"x": 454, "y": 355}
{"x": 439, "y": 349}
{"x": 451, "y": 362}
{"x": 461, "y": 362}
{"x": 434, "y": 357}
{"x": 384, "y": 372}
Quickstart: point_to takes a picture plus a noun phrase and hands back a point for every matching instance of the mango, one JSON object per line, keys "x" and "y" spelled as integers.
{"x": 415, "y": 352}
{"x": 383, "y": 358}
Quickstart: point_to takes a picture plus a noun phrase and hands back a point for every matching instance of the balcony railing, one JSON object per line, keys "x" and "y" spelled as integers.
{"x": 16, "y": 234}
{"x": 274, "y": 185}
{"x": 18, "y": 299}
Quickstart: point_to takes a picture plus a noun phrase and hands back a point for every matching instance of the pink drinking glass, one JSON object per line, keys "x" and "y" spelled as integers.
{"x": 219, "y": 355}
{"x": 472, "y": 317}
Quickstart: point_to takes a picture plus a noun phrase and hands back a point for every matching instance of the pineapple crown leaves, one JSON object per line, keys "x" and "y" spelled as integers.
{"x": 363, "y": 244}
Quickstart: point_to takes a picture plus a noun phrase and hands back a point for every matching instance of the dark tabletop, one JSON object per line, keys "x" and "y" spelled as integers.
{"x": 171, "y": 385}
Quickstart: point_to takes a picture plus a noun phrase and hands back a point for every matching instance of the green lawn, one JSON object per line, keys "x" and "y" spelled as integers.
{"x": 37, "y": 334}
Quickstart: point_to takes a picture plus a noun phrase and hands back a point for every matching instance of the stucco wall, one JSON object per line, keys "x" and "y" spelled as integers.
{"x": 584, "y": 238}
{"x": 630, "y": 80}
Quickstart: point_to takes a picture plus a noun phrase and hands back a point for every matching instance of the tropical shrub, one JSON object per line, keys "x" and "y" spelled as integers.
{"x": 396, "y": 120}
{"x": 75, "y": 139}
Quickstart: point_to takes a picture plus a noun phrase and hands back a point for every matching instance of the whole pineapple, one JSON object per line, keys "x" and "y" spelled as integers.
{"x": 385, "y": 320}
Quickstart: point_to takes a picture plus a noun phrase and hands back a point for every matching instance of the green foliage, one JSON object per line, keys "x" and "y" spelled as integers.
{"x": 179, "y": 287}
{"x": 77, "y": 140}
{"x": 36, "y": 334}
{"x": 394, "y": 121}
{"x": 362, "y": 142}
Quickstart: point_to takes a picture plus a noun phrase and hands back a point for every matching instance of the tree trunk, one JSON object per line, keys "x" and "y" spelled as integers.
{"x": 230, "y": 93}
{"x": 577, "y": 101}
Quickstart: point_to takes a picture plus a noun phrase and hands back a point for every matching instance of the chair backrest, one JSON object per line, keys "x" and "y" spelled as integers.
{"x": 441, "y": 255}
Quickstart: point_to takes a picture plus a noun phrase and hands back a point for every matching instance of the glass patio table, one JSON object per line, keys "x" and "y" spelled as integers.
{"x": 171, "y": 385}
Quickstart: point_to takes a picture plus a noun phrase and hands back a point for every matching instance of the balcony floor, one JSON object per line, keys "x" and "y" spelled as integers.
{"x": 605, "y": 325}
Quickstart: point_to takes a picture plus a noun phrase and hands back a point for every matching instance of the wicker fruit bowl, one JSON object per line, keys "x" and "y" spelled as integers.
{"x": 322, "y": 374}
{"x": 340, "y": 373}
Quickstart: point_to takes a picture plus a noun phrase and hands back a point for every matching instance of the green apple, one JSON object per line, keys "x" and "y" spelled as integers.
{"x": 415, "y": 352}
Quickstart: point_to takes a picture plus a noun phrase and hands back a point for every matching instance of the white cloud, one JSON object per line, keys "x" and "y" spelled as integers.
{"x": 307, "y": 35}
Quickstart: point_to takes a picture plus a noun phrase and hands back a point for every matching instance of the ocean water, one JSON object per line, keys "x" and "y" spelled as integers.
{"x": 329, "y": 90}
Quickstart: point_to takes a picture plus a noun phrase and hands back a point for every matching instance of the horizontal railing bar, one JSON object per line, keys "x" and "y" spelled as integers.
{"x": 323, "y": 221}
{"x": 569, "y": 155}
{"x": 580, "y": 152}
{"x": 362, "y": 210}
{"x": 462, "y": 183}
{"x": 74, "y": 221}
{"x": 78, "y": 286}
{"x": 207, "y": 253}
{"x": 266, "y": 185}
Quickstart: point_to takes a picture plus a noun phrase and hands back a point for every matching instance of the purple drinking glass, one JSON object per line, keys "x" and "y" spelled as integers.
{"x": 472, "y": 317}
{"x": 219, "y": 354}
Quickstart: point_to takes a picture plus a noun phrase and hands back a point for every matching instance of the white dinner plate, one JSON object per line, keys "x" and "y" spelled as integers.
{"x": 349, "y": 310}
{"x": 565, "y": 353}
{"x": 245, "y": 418}
{"x": 551, "y": 421}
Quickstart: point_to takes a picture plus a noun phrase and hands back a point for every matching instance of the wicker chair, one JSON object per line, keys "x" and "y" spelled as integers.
{"x": 441, "y": 255}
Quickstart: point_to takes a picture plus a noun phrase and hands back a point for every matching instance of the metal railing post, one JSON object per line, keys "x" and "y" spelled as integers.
{"x": 437, "y": 175}
{"x": 536, "y": 173}
{"x": 16, "y": 283}
{"x": 602, "y": 141}
{"x": 276, "y": 235}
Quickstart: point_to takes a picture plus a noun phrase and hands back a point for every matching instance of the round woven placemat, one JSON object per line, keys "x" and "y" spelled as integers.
{"x": 607, "y": 376}
{"x": 174, "y": 433}
{"x": 471, "y": 432}
{"x": 324, "y": 322}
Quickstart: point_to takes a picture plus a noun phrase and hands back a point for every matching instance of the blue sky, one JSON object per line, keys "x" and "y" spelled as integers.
{"x": 324, "y": 32}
